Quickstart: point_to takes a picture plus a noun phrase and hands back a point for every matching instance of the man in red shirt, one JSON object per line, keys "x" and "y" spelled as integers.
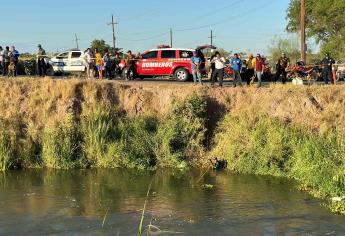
{"x": 259, "y": 65}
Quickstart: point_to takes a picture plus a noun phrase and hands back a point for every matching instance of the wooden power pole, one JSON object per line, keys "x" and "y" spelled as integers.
{"x": 171, "y": 37}
{"x": 113, "y": 23}
{"x": 211, "y": 37}
{"x": 76, "y": 41}
{"x": 303, "y": 42}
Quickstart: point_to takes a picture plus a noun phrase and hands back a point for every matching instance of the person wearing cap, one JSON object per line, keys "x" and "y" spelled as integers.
{"x": 250, "y": 68}
{"x": 259, "y": 65}
{"x": 327, "y": 64}
{"x": 282, "y": 64}
{"x": 196, "y": 63}
{"x": 41, "y": 64}
{"x": 236, "y": 65}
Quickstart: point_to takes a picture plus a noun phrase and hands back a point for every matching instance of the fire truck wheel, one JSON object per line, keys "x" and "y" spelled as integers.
{"x": 181, "y": 74}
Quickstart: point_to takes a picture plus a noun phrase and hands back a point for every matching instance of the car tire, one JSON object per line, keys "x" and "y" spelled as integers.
{"x": 181, "y": 74}
{"x": 50, "y": 71}
{"x": 124, "y": 74}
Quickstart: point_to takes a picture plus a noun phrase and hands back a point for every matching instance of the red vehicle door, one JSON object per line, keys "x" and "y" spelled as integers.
{"x": 166, "y": 61}
{"x": 146, "y": 65}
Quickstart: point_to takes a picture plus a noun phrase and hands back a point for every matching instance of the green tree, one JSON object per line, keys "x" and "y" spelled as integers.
{"x": 325, "y": 21}
{"x": 100, "y": 45}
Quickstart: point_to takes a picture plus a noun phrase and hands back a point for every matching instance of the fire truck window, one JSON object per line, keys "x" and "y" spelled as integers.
{"x": 150, "y": 55}
{"x": 76, "y": 54}
{"x": 186, "y": 54}
{"x": 168, "y": 54}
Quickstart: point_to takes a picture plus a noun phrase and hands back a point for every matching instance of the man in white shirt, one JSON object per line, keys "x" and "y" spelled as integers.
{"x": 89, "y": 63}
{"x": 219, "y": 69}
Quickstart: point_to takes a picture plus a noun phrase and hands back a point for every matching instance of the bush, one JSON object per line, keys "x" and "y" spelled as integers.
{"x": 61, "y": 145}
{"x": 180, "y": 136}
{"x": 98, "y": 128}
{"x": 6, "y": 150}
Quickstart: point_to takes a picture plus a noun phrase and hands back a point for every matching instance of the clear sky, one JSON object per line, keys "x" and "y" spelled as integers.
{"x": 239, "y": 25}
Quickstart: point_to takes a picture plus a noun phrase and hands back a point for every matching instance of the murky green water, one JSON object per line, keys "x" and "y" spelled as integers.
{"x": 76, "y": 203}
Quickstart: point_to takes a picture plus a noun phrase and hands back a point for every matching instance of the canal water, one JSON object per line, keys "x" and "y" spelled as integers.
{"x": 110, "y": 202}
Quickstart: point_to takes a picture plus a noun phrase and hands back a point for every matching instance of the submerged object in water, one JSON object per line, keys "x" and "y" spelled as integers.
{"x": 219, "y": 164}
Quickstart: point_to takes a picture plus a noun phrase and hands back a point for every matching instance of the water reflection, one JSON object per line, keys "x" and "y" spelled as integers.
{"x": 75, "y": 202}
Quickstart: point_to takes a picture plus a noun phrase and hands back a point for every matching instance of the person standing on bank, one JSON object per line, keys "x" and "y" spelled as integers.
{"x": 282, "y": 64}
{"x": 250, "y": 68}
{"x": 6, "y": 61}
{"x": 14, "y": 57}
{"x": 108, "y": 64}
{"x": 41, "y": 64}
{"x": 88, "y": 56}
{"x": 259, "y": 66}
{"x": 236, "y": 65}
{"x": 219, "y": 64}
{"x": 327, "y": 64}
{"x": 196, "y": 62}
{"x": 1, "y": 58}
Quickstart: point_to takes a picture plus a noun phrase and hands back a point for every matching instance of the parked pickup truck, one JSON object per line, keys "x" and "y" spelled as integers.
{"x": 71, "y": 61}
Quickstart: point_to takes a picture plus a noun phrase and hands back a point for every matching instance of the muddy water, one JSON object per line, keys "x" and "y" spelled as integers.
{"x": 109, "y": 202}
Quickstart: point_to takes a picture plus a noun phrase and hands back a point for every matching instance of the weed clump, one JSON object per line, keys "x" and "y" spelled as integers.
{"x": 61, "y": 145}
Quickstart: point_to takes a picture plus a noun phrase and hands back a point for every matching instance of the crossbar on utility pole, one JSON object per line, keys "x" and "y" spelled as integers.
{"x": 113, "y": 23}
{"x": 303, "y": 41}
{"x": 76, "y": 40}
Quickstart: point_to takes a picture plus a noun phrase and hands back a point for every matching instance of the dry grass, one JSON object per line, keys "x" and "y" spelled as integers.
{"x": 34, "y": 102}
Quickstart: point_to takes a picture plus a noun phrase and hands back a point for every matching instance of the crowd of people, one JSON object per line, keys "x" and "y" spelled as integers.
{"x": 9, "y": 58}
{"x": 253, "y": 68}
{"x": 108, "y": 66}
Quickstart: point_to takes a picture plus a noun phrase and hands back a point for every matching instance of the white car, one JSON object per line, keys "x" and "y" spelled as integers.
{"x": 68, "y": 62}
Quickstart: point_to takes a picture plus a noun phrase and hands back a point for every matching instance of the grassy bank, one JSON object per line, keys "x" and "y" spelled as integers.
{"x": 295, "y": 132}
{"x": 257, "y": 144}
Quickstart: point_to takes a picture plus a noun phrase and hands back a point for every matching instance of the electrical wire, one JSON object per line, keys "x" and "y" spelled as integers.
{"x": 145, "y": 39}
{"x": 238, "y": 16}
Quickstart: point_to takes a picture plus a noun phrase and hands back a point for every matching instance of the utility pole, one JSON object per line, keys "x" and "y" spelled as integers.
{"x": 211, "y": 37}
{"x": 76, "y": 40}
{"x": 171, "y": 38}
{"x": 303, "y": 42}
{"x": 113, "y": 23}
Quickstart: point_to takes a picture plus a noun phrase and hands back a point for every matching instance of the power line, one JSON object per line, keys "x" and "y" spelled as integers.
{"x": 144, "y": 39}
{"x": 225, "y": 20}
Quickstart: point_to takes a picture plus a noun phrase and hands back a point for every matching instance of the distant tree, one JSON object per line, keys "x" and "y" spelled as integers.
{"x": 100, "y": 45}
{"x": 290, "y": 46}
{"x": 325, "y": 21}
{"x": 222, "y": 52}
